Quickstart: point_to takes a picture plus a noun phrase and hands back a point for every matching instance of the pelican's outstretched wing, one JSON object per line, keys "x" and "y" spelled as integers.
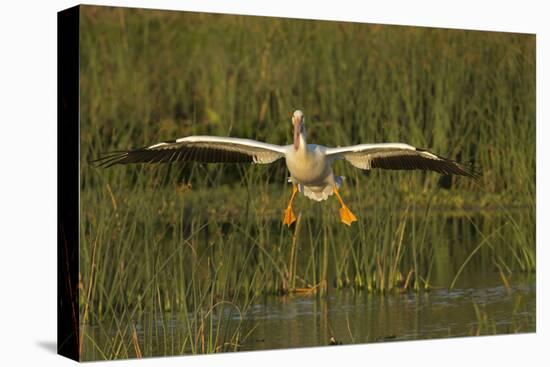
{"x": 398, "y": 156}
{"x": 207, "y": 149}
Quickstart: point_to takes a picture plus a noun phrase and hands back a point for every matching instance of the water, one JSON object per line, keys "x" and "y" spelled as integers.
{"x": 347, "y": 317}
{"x": 357, "y": 317}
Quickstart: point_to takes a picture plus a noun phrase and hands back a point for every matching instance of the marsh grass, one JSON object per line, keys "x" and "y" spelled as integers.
{"x": 206, "y": 241}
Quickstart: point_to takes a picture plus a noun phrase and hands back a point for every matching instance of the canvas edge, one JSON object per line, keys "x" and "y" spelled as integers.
{"x": 68, "y": 156}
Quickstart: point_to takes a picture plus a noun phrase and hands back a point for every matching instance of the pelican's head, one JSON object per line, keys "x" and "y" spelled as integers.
{"x": 298, "y": 120}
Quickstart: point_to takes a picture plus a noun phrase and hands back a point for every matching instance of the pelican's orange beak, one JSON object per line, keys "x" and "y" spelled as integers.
{"x": 297, "y": 121}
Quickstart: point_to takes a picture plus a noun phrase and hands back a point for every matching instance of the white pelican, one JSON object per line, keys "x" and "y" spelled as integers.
{"x": 310, "y": 165}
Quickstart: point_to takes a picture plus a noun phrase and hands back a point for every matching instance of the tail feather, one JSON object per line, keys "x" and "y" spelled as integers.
{"x": 320, "y": 193}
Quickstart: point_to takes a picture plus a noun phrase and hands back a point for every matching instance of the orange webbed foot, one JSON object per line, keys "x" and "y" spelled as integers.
{"x": 289, "y": 217}
{"x": 346, "y": 216}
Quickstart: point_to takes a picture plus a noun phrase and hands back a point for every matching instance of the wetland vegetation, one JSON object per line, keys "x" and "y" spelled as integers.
{"x": 193, "y": 258}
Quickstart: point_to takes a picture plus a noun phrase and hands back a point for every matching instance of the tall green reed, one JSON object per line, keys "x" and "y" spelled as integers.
{"x": 198, "y": 240}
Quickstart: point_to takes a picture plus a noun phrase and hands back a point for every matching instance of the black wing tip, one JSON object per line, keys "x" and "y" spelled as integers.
{"x": 466, "y": 170}
{"x": 439, "y": 164}
{"x": 463, "y": 170}
{"x": 108, "y": 159}
{"x": 460, "y": 169}
{"x": 473, "y": 173}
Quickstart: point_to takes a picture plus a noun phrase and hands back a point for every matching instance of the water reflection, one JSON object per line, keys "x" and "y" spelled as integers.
{"x": 357, "y": 317}
{"x": 482, "y": 305}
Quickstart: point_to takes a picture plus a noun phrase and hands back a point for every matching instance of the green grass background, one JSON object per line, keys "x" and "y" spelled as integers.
{"x": 186, "y": 237}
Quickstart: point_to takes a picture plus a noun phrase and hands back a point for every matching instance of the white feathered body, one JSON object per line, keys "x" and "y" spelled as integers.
{"x": 311, "y": 170}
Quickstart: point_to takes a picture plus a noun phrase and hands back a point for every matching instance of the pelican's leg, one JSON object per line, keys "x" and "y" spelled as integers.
{"x": 289, "y": 213}
{"x": 346, "y": 216}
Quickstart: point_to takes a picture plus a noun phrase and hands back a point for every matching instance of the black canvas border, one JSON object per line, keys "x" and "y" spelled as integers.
{"x": 68, "y": 157}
